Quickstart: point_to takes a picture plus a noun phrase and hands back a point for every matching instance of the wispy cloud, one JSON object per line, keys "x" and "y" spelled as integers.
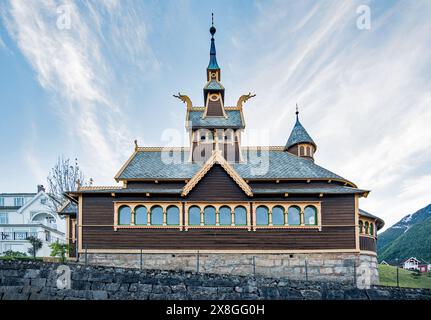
{"x": 364, "y": 94}
{"x": 77, "y": 66}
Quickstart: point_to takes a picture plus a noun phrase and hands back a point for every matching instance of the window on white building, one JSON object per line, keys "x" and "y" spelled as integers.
{"x": 18, "y": 202}
{"x": 3, "y": 218}
{"x": 1, "y": 202}
{"x": 43, "y": 201}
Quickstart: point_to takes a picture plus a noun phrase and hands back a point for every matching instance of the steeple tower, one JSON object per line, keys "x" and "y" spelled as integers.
{"x": 300, "y": 143}
{"x": 213, "y": 90}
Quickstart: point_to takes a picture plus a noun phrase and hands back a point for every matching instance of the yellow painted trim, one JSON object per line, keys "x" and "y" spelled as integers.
{"x": 371, "y": 253}
{"x": 125, "y": 164}
{"x": 357, "y": 222}
{"x": 286, "y": 205}
{"x": 80, "y": 199}
{"x": 148, "y": 205}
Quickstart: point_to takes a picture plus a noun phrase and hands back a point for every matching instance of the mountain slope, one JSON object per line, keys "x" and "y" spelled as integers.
{"x": 411, "y": 236}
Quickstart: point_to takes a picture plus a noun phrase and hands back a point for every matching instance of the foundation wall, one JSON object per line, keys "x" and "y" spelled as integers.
{"x": 340, "y": 267}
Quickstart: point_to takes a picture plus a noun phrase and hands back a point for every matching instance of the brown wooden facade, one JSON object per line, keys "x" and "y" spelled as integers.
{"x": 334, "y": 228}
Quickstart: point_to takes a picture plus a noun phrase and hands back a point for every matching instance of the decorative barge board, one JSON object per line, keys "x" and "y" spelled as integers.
{"x": 232, "y": 205}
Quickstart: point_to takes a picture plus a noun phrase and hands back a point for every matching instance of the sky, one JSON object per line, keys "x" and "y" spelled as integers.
{"x": 83, "y": 79}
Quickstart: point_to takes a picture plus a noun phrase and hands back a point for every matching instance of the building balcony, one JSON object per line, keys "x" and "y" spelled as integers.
{"x": 45, "y": 223}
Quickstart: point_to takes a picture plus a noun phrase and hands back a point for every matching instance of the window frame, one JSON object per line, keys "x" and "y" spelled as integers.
{"x": 218, "y": 205}
{"x": 286, "y": 205}
{"x": 148, "y": 205}
{"x": 6, "y": 216}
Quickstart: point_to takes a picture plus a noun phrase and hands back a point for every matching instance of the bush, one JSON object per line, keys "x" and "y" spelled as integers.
{"x": 59, "y": 250}
{"x": 14, "y": 254}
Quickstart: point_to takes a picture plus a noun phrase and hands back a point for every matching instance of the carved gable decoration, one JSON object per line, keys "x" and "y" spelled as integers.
{"x": 217, "y": 158}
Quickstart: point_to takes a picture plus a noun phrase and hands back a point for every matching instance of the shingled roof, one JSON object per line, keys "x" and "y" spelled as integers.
{"x": 264, "y": 164}
{"x": 299, "y": 135}
{"x": 380, "y": 223}
{"x": 233, "y": 120}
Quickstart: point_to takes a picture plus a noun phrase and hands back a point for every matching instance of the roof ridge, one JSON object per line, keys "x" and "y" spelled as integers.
{"x": 84, "y": 188}
{"x": 165, "y": 149}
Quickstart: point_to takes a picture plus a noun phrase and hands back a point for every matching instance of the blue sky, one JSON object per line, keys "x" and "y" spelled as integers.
{"x": 89, "y": 90}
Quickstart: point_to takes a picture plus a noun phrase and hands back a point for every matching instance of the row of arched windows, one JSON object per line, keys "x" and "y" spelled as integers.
{"x": 156, "y": 216}
{"x": 366, "y": 228}
{"x": 224, "y": 215}
{"x": 305, "y": 150}
{"x": 209, "y": 216}
{"x": 278, "y": 216}
{"x": 206, "y": 135}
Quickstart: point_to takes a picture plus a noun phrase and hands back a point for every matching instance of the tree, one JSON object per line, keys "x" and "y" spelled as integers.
{"x": 65, "y": 176}
{"x": 59, "y": 250}
{"x": 36, "y": 245}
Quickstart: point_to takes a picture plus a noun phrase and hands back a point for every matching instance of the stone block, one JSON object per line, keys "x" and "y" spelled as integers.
{"x": 38, "y": 282}
{"x": 100, "y": 295}
{"x": 80, "y": 285}
{"x": 101, "y": 277}
{"x": 269, "y": 293}
{"x": 311, "y": 294}
{"x": 98, "y": 286}
{"x": 161, "y": 289}
{"x": 31, "y": 274}
{"x": 178, "y": 288}
{"x": 112, "y": 286}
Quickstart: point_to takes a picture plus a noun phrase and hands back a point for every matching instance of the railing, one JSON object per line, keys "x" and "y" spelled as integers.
{"x": 18, "y": 235}
{"x": 46, "y": 224}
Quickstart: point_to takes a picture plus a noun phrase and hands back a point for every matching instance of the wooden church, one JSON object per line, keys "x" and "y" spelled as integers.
{"x": 228, "y": 203}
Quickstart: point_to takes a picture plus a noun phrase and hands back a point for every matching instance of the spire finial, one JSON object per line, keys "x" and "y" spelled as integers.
{"x": 297, "y": 111}
{"x": 212, "y": 29}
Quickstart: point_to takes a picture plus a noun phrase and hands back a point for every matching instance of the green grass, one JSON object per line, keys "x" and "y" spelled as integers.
{"x": 408, "y": 279}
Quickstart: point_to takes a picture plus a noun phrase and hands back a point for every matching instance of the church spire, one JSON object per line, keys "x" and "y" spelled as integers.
{"x": 300, "y": 143}
{"x": 213, "y": 90}
{"x": 213, "y": 65}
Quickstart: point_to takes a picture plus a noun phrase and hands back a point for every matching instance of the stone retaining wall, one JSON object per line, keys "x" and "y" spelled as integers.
{"x": 340, "y": 267}
{"x": 38, "y": 280}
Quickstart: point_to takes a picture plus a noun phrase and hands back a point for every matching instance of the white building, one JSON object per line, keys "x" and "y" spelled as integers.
{"x": 29, "y": 214}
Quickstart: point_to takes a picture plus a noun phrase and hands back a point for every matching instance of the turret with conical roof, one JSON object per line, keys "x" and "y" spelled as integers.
{"x": 300, "y": 143}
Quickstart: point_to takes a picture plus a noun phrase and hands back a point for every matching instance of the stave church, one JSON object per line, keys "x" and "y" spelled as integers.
{"x": 234, "y": 209}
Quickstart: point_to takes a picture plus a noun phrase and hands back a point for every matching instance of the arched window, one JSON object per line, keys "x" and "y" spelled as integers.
{"x": 278, "y": 216}
{"x": 194, "y": 216}
{"x": 366, "y": 227}
{"x": 125, "y": 215}
{"x": 209, "y": 216}
{"x": 228, "y": 135}
{"x": 371, "y": 229}
{"x": 294, "y": 216}
{"x": 262, "y": 216}
{"x": 240, "y": 216}
{"x": 156, "y": 215}
{"x": 173, "y": 216}
{"x": 301, "y": 151}
{"x": 140, "y": 215}
{"x": 310, "y": 215}
{"x": 361, "y": 227}
{"x": 225, "y": 216}
{"x": 210, "y": 136}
